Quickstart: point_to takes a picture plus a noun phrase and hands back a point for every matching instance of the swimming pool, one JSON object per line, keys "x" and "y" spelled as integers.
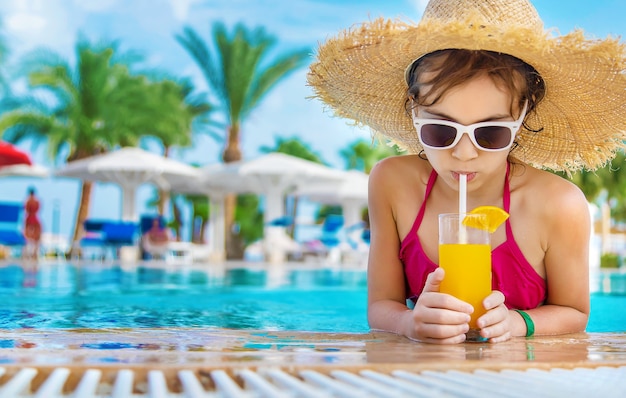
{"x": 287, "y": 298}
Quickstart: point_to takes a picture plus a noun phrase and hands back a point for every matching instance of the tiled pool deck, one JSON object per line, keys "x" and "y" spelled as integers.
{"x": 207, "y": 354}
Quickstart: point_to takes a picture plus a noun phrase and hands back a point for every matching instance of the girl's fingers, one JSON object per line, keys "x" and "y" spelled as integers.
{"x": 442, "y": 301}
{"x": 495, "y": 299}
{"x": 450, "y": 314}
{"x": 444, "y": 334}
{"x": 433, "y": 281}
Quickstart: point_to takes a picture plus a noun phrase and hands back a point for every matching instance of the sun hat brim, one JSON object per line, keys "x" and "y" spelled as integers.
{"x": 359, "y": 74}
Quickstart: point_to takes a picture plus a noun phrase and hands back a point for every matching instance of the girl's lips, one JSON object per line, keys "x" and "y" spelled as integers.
{"x": 470, "y": 176}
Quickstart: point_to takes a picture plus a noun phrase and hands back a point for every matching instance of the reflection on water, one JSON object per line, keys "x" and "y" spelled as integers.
{"x": 112, "y": 296}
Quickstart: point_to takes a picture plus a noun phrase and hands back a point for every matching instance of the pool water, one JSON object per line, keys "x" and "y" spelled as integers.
{"x": 97, "y": 296}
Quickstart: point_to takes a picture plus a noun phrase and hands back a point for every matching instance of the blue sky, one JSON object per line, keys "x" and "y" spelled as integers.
{"x": 149, "y": 26}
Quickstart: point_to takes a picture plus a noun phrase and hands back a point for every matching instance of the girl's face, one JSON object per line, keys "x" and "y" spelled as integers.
{"x": 478, "y": 100}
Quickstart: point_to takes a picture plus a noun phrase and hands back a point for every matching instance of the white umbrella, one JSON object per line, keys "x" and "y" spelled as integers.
{"x": 272, "y": 176}
{"x": 24, "y": 170}
{"x": 350, "y": 193}
{"x": 129, "y": 167}
{"x": 352, "y": 186}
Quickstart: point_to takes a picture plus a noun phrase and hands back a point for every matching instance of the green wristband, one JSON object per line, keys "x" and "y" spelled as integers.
{"x": 530, "y": 325}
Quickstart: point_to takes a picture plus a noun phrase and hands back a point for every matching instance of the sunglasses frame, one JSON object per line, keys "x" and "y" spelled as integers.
{"x": 470, "y": 129}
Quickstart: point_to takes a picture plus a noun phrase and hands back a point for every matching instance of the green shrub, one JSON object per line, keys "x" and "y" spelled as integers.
{"x": 609, "y": 260}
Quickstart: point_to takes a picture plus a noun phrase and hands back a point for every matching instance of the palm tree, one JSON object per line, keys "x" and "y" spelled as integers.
{"x": 97, "y": 105}
{"x": 176, "y": 113}
{"x": 86, "y": 116}
{"x": 241, "y": 74}
{"x": 361, "y": 155}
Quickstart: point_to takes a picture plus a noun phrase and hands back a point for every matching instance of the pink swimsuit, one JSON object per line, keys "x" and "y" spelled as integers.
{"x": 511, "y": 273}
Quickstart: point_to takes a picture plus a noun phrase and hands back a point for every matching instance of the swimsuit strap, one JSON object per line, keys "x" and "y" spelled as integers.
{"x": 506, "y": 199}
{"x": 506, "y": 202}
{"x": 429, "y": 187}
{"x": 506, "y": 194}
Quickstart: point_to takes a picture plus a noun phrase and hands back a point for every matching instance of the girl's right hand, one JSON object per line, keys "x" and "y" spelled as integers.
{"x": 439, "y": 318}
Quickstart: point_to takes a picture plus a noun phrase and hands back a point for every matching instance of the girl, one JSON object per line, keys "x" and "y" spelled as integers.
{"x": 478, "y": 88}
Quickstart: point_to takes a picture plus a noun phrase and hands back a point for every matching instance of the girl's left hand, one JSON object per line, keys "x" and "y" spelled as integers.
{"x": 495, "y": 324}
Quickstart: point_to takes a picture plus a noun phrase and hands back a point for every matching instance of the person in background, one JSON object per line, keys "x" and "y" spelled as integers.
{"x": 478, "y": 88}
{"x": 155, "y": 240}
{"x": 32, "y": 225}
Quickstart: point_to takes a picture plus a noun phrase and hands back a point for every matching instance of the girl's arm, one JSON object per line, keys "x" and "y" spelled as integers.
{"x": 563, "y": 228}
{"x": 566, "y": 309}
{"x": 436, "y": 318}
{"x": 385, "y": 275}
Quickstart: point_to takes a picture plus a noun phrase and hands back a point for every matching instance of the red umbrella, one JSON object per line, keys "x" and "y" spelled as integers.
{"x": 10, "y": 155}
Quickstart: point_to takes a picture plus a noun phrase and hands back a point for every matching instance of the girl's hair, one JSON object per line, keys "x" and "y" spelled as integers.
{"x": 446, "y": 69}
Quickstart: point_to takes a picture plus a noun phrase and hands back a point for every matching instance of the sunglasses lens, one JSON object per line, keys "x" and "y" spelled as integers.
{"x": 493, "y": 137}
{"x": 437, "y": 135}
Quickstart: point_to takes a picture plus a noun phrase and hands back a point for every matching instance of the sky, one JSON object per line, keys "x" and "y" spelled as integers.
{"x": 150, "y": 26}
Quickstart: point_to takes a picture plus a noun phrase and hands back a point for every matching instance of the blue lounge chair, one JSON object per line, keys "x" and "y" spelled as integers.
{"x": 330, "y": 230}
{"x": 108, "y": 236}
{"x": 11, "y": 234}
{"x": 284, "y": 221}
{"x": 117, "y": 234}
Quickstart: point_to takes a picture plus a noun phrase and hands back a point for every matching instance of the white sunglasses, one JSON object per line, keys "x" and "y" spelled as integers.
{"x": 487, "y": 136}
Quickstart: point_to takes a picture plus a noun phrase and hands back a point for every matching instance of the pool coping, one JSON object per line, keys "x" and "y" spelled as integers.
{"x": 162, "y": 359}
{"x": 201, "y": 348}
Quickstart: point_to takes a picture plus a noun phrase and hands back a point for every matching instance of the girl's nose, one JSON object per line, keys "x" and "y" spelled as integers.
{"x": 465, "y": 149}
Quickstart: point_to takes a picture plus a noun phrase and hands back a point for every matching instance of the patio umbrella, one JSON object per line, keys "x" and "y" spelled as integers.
{"x": 271, "y": 176}
{"x": 24, "y": 170}
{"x": 350, "y": 192}
{"x": 10, "y": 155}
{"x": 129, "y": 167}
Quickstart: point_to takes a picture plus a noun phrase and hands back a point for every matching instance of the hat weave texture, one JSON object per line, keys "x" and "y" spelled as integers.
{"x": 360, "y": 75}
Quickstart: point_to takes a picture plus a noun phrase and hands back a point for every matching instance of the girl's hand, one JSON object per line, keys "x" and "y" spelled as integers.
{"x": 437, "y": 317}
{"x": 496, "y": 324}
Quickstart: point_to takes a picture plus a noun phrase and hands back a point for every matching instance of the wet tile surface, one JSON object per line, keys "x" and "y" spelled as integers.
{"x": 177, "y": 348}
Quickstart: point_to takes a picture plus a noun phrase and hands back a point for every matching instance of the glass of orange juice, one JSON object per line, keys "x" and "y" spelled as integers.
{"x": 465, "y": 256}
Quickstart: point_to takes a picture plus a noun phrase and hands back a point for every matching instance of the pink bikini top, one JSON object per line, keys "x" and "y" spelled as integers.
{"x": 511, "y": 273}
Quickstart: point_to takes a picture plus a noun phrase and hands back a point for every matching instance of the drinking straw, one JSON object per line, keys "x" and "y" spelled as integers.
{"x": 462, "y": 207}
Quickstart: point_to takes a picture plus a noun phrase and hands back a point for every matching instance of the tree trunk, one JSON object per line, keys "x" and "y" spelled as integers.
{"x": 233, "y": 249}
{"x": 606, "y": 227}
{"x": 202, "y": 236}
{"x": 291, "y": 229}
{"x": 83, "y": 213}
{"x": 164, "y": 196}
{"x": 179, "y": 220}
{"x": 232, "y": 153}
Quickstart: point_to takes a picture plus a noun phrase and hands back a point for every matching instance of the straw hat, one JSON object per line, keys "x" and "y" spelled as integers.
{"x": 360, "y": 75}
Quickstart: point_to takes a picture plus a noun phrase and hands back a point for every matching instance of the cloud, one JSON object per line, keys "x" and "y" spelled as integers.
{"x": 23, "y": 23}
{"x": 181, "y": 8}
{"x": 30, "y": 24}
{"x": 96, "y": 5}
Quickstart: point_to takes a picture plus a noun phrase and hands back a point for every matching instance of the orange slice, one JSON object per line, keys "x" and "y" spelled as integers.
{"x": 495, "y": 217}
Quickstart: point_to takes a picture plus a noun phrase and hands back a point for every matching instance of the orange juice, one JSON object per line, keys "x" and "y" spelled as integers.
{"x": 468, "y": 274}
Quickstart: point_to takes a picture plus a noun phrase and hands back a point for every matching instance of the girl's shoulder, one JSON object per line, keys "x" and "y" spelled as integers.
{"x": 401, "y": 166}
{"x": 550, "y": 191}
{"x": 399, "y": 178}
